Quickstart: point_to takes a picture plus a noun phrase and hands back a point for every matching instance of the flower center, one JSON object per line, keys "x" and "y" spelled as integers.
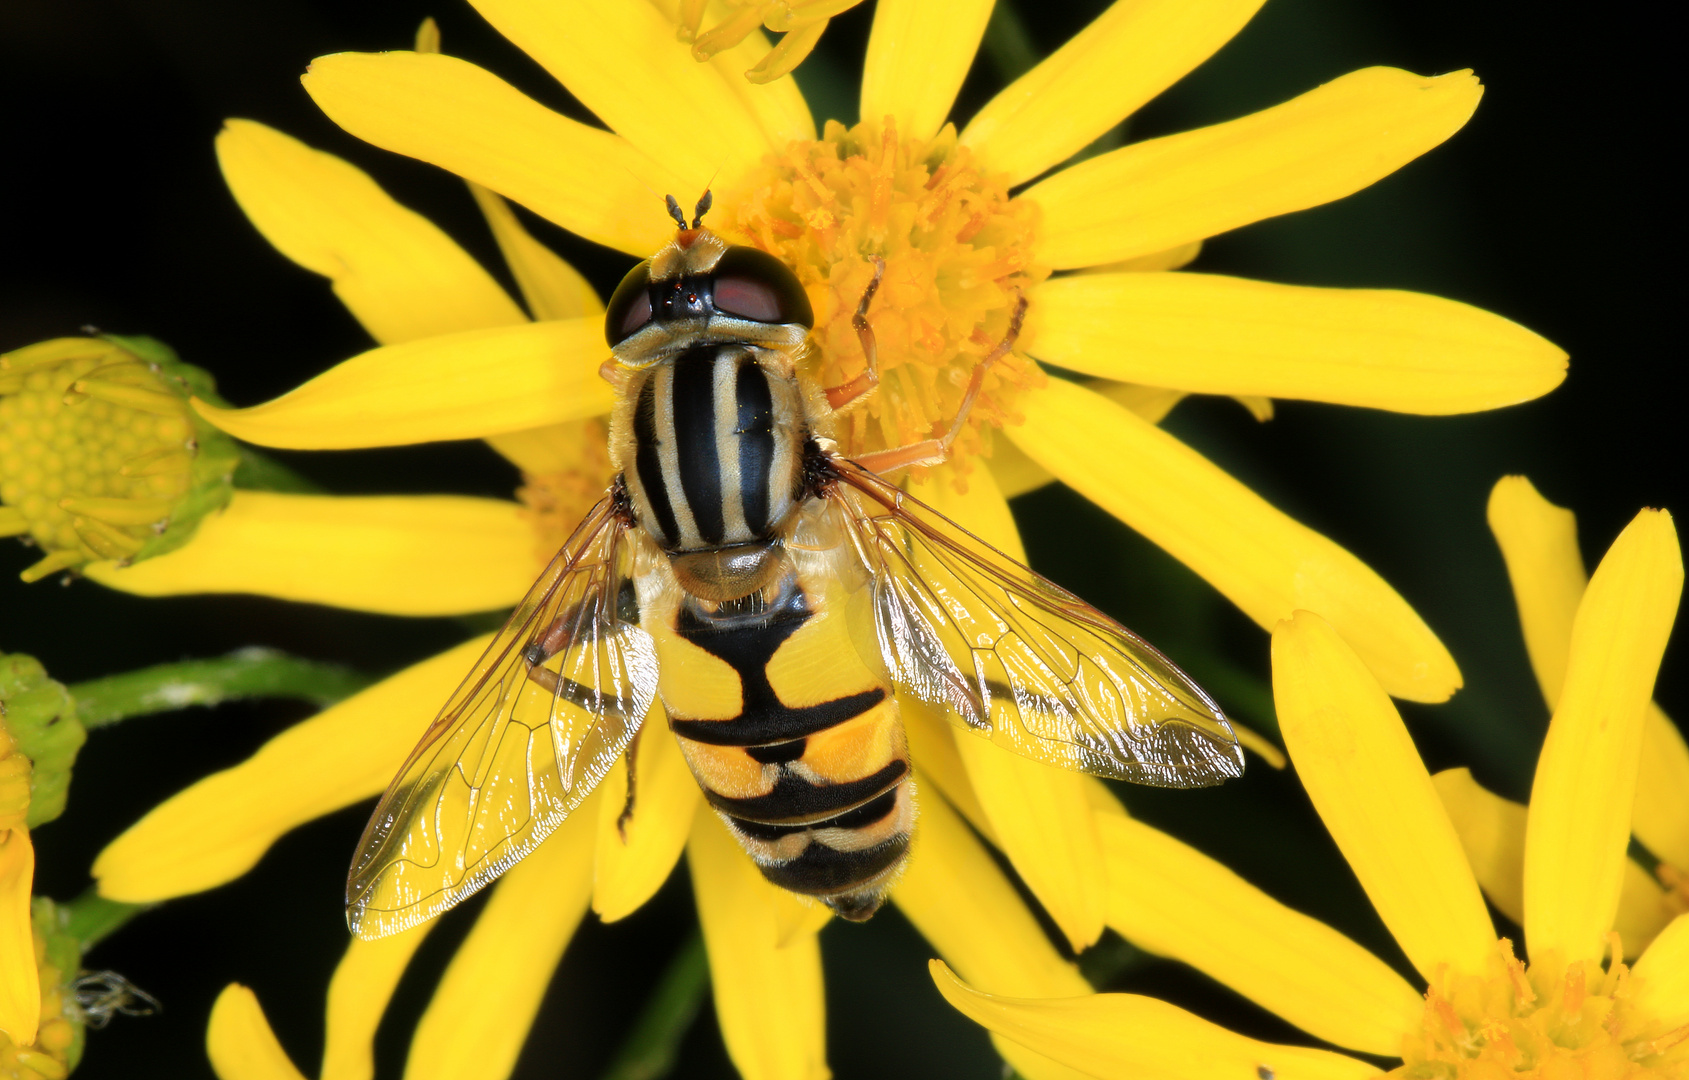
{"x": 1548, "y": 1019}
{"x": 958, "y": 256}
{"x": 95, "y": 451}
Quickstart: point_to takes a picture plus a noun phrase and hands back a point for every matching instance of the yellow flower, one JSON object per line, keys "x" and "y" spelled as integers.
{"x": 1484, "y": 1012}
{"x": 960, "y": 238}
{"x": 458, "y": 359}
{"x": 764, "y": 959}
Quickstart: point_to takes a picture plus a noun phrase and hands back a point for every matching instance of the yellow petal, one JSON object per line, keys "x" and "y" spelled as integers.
{"x": 1661, "y": 977}
{"x": 932, "y": 748}
{"x": 395, "y": 554}
{"x": 554, "y": 448}
{"x": 357, "y": 998}
{"x": 455, "y": 386}
{"x": 394, "y": 269}
{"x": 1152, "y": 403}
{"x": 239, "y": 1040}
{"x": 1031, "y": 1066}
{"x": 20, "y": 981}
{"x": 215, "y": 830}
{"x": 1585, "y": 782}
{"x": 552, "y": 288}
{"x": 486, "y": 1001}
{"x": 918, "y": 54}
{"x": 1539, "y": 542}
{"x": 768, "y": 999}
{"x": 1129, "y": 54}
{"x": 1644, "y": 909}
{"x": 1660, "y": 815}
{"x": 1174, "y": 901}
{"x": 1015, "y": 473}
{"x": 1364, "y": 777}
{"x": 455, "y": 115}
{"x": 1326, "y": 144}
{"x": 777, "y": 104}
{"x": 624, "y": 62}
{"x": 1260, "y": 559}
{"x": 629, "y": 871}
{"x": 1492, "y": 832}
{"x": 966, "y": 909}
{"x": 1172, "y": 259}
{"x": 1127, "y": 1035}
{"x": 1039, "y": 814}
{"x": 1208, "y": 334}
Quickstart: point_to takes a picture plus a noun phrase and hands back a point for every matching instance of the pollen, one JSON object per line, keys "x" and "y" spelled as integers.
{"x": 1541, "y": 1021}
{"x": 958, "y": 258}
{"x": 555, "y": 502}
{"x": 96, "y": 449}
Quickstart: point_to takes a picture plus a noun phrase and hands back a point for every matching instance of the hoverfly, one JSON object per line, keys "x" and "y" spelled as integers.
{"x": 776, "y": 597}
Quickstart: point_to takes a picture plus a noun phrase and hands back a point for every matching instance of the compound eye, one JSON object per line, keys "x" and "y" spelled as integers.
{"x": 752, "y": 284}
{"x": 630, "y": 305}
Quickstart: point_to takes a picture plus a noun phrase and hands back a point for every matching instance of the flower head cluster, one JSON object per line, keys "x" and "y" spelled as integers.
{"x": 1422, "y": 846}
{"x": 964, "y": 235}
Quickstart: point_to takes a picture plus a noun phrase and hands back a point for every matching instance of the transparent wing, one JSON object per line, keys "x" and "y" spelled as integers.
{"x": 528, "y": 735}
{"x": 1019, "y": 659}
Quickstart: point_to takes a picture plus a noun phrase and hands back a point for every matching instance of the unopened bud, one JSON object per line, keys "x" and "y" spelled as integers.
{"x": 101, "y": 456}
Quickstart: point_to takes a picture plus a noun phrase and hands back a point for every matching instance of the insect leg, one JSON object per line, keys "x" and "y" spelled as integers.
{"x": 632, "y": 757}
{"x": 847, "y": 394}
{"x": 934, "y": 451}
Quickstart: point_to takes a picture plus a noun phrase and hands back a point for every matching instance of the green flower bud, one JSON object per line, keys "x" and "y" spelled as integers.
{"x": 38, "y": 719}
{"x": 101, "y": 456}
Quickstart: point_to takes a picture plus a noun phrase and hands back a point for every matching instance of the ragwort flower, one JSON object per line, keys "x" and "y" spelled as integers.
{"x": 458, "y": 359}
{"x": 960, "y": 248}
{"x": 1485, "y": 1012}
{"x": 764, "y": 959}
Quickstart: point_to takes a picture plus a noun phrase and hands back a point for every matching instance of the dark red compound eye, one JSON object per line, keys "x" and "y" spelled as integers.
{"x": 630, "y": 305}
{"x": 752, "y": 284}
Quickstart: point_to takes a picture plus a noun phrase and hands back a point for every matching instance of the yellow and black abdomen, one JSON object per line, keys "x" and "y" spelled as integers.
{"x": 795, "y": 740}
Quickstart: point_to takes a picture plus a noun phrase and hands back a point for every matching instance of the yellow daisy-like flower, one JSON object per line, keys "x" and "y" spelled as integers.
{"x": 961, "y": 240}
{"x": 458, "y": 359}
{"x": 1485, "y": 1012}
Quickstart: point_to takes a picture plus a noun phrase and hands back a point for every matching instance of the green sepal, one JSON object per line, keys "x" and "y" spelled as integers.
{"x": 64, "y": 952}
{"x": 211, "y": 478}
{"x": 41, "y": 716}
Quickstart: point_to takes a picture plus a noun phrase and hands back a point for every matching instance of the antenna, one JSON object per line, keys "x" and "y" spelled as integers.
{"x": 701, "y": 209}
{"x": 674, "y": 211}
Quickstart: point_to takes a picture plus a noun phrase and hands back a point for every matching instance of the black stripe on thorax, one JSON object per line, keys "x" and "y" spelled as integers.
{"x": 648, "y": 462}
{"x": 694, "y": 434}
{"x": 755, "y": 428}
{"x": 796, "y": 801}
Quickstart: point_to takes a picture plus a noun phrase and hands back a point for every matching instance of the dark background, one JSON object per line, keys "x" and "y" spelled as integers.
{"x": 1549, "y": 208}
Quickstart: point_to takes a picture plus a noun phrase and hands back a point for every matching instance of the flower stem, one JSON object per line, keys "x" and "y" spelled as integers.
{"x": 246, "y": 673}
{"x": 654, "y": 1042}
{"x": 91, "y": 917}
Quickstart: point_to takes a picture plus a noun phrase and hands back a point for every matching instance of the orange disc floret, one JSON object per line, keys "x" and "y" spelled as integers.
{"x": 958, "y": 255}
